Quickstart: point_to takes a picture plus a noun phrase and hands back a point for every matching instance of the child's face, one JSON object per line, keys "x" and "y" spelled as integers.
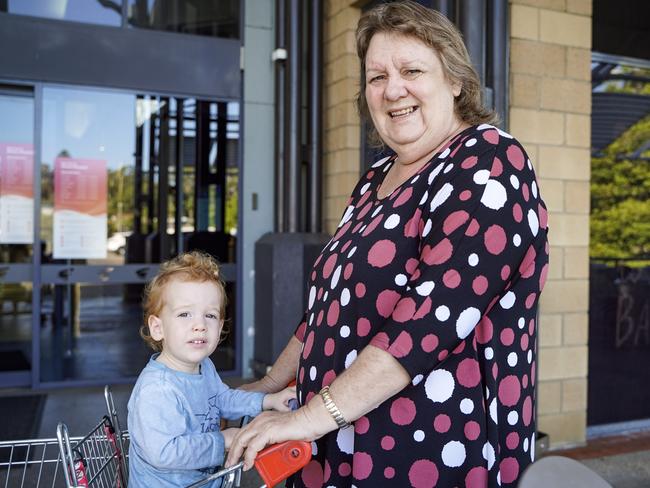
{"x": 189, "y": 323}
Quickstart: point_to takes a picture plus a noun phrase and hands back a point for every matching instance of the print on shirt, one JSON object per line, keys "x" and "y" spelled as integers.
{"x": 210, "y": 421}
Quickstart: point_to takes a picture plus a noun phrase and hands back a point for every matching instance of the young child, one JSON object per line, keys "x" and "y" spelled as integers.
{"x": 178, "y": 401}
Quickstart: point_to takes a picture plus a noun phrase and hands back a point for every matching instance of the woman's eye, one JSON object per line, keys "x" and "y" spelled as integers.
{"x": 376, "y": 78}
{"x": 413, "y": 71}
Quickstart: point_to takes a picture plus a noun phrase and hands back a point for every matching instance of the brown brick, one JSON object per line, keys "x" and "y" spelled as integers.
{"x": 537, "y": 126}
{"x": 564, "y": 163}
{"x": 552, "y": 4}
{"x": 564, "y": 429}
{"x": 581, "y": 7}
{"x": 562, "y": 362}
{"x": 578, "y": 130}
{"x": 345, "y": 20}
{"x": 345, "y": 66}
{"x": 577, "y": 197}
{"x": 566, "y": 29}
{"x": 578, "y": 63}
{"x": 565, "y": 296}
{"x": 537, "y": 58}
{"x": 340, "y": 45}
{"x": 525, "y": 90}
{"x": 556, "y": 263}
{"x": 576, "y": 262}
{"x": 524, "y": 22}
{"x": 342, "y": 161}
{"x": 566, "y": 95}
{"x": 550, "y": 330}
{"x": 549, "y": 397}
{"x": 574, "y": 395}
{"x": 552, "y": 192}
{"x": 344, "y": 90}
{"x": 569, "y": 230}
{"x": 342, "y": 114}
{"x": 575, "y": 329}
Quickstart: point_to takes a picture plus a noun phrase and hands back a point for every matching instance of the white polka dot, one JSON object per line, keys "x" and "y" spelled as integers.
{"x": 512, "y": 359}
{"x": 439, "y": 385}
{"x": 387, "y": 167}
{"x": 391, "y": 222}
{"x": 445, "y": 153}
{"x": 529, "y": 357}
{"x": 493, "y": 411}
{"x": 466, "y": 406}
{"x": 424, "y": 197}
{"x": 532, "y": 447}
{"x": 415, "y": 179}
{"x": 513, "y": 417}
{"x": 521, "y": 322}
{"x": 448, "y": 168}
{"x": 336, "y": 276}
{"x": 311, "y": 318}
{"x": 347, "y": 215}
{"x": 453, "y": 454}
{"x": 364, "y": 188}
{"x": 516, "y": 240}
{"x": 504, "y": 133}
{"x": 352, "y": 251}
{"x": 442, "y": 313}
{"x": 345, "y": 440}
{"x": 530, "y": 165}
{"x": 362, "y": 229}
{"x": 401, "y": 279}
{"x": 334, "y": 246}
{"x": 499, "y": 478}
{"x": 417, "y": 380}
{"x": 325, "y": 296}
{"x": 377, "y": 210}
{"x": 485, "y": 126}
{"x": 488, "y": 454}
{"x": 427, "y": 228}
{"x": 472, "y": 259}
{"x": 481, "y": 177}
{"x": 441, "y": 196}
{"x": 312, "y": 296}
{"x": 514, "y": 181}
{"x": 487, "y": 392}
{"x": 345, "y": 331}
{"x": 418, "y": 436}
{"x": 435, "y": 172}
{"x": 312, "y": 373}
{"x": 526, "y": 444}
{"x": 495, "y": 195}
{"x": 425, "y": 289}
{"x": 470, "y": 142}
{"x": 349, "y": 359}
{"x": 489, "y": 353}
{"x": 507, "y": 301}
{"x": 314, "y": 448}
{"x": 466, "y": 321}
{"x": 380, "y": 162}
{"x": 533, "y": 222}
{"x": 345, "y": 297}
{"x": 533, "y": 189}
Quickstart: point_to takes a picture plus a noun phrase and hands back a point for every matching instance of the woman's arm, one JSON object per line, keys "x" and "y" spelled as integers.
{"x": 282, "y": 372}
{"x": 370, "y": 380}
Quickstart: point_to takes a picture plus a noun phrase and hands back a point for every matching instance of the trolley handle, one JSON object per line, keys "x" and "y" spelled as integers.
{"x": 279, "y": 461}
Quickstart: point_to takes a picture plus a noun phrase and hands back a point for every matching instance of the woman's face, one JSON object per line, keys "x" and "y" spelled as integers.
{"x": 411, "y": 101}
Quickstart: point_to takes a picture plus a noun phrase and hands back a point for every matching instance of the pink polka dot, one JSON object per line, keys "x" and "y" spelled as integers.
{"x": 472, "y": 228}
{"x": 507, "y": 336}
{"x": 524, "y": 381}
{"x": 404, "y": 310}
{"x": 509, "y": 469}
{"x": 451, "y": 278}
{"x": 439, "y": 253}
{"x": 527, "y": 411}
{"x": 442, "y": 355}
{"x": 411, "y": 265}
{"x": 402, "y": 345}
{"x": 301, "y": 374}
{"x": 465, "y": 195}
{"x": 531, "y": 326}
{"x": 484, "y": 331}
{"x": 543, "y": 216}
{"x": 387, "y": 442}
{"x": 412, "y": 226}
{"x": 363, "y": 199}
{"x": 319, "y": 318}
{"x": 527, "y": 266}
{"x": 404, "y": 196}
{"x": 360, "y": 290}
{"x": 312, "y": 475}
{"x": 361, "y": 465}
{"x": 424, "y": 309}
{"x": 328, "y": 377}
{"x": 524, "y": 342}
{"x": 309, "y": 343}
{"x": 402, "y": 411}
{"x": 347, "y": 272}
{"x": 454, "y": 221}
{"x": 468, "y": 373}
{"x": 320, "y": 293}
{"x": 363, "y": 327}
{"x": 532, "y": 373}
{"x": 480, "y": 285}
{"x": 442, "y": 423}
{"x": 525, "y": 192}
{"x": 497, "y": 168}
{"x": 429, "y": 342}
{"x": 530, "y": 300}
{"x": 327, "y": 472}
{"x": 509, "y": 390}
{"x": 345, "y": 469}
{"x": 505, "y": 272}
{"x": 517, "y": 213}
{"x": 328, "y": 267}
{"x": 542, "y": 277}
{"x": 495, "y": 370}
{"x": 476, "y": 478}
{"x": 389, "y": 473}
{"x": 372, "y": 225}
{"x": 512, "y": 440}
{"x": 365, "y": 209}
{"x": 382, "y": 253}
{"x": 342, "y": 231}
{"x": 515, "y": 157}
{"x": 346, "y": 246}
{"x": 333, "y": 313}
{"x": 472, "y": 430}
{"x": 357, "y": 227}
{"x": 470, "y": 162}
{"x": 495, "y": 239}
{"x": 361, "y": 425}
{"x": 386, "y": 301}
{"x": 313, "y": 275}
{"x": 491, "y": 135}
{"x": 329, "y": 347}
{"x": 423, "y": 474}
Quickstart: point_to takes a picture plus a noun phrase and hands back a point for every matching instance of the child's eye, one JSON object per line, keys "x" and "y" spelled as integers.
{"x": 212, "y": 316}
{"x": 184, "y": 314}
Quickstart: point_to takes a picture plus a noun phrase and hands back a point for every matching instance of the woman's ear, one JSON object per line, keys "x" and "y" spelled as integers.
{"x": 456, "y": 88}
{"x": 155, "y": 328}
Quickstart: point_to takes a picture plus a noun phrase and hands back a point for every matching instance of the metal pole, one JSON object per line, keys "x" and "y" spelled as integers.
{"x": 280, "y": 113}
{"x": 178, "y": 214}
{"x": 472, "y": 25}
{"x": 294, "y": 146}
{"x": 447, "y": 8}
{"x": 315, "y": 115}
{"x": 497, "y": 69}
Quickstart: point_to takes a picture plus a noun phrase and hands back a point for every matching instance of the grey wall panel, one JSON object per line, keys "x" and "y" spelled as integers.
{"x": 143, "y": 60}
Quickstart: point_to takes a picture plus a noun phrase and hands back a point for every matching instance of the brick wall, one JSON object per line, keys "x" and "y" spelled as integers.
{"x": 550, "y": 105}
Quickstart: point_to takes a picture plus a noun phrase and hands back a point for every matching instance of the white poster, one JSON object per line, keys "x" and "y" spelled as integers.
{"x": 16, "y": 193}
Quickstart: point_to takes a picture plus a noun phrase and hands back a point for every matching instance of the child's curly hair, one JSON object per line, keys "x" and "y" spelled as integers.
{"x": 190, "y": 266}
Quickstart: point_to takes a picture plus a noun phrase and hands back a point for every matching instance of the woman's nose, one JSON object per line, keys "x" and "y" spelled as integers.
{"x": 395, "y": 88}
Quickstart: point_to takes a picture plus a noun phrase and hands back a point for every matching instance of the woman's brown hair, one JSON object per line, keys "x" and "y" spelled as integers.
{"x": 408, "y": 18}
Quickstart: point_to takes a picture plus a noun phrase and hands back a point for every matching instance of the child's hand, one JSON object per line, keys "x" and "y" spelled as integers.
{"x": 279, "y": 401}
{"x": 229, "y": 436}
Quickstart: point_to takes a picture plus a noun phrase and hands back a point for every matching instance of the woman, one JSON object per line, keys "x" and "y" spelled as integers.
{"x": 422, "y": 308}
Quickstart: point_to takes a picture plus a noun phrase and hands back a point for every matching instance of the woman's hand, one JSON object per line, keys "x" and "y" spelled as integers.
{"x": 279, "y": 401}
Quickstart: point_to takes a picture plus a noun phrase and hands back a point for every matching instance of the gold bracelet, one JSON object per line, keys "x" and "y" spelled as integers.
{"x": 333, "y": 409}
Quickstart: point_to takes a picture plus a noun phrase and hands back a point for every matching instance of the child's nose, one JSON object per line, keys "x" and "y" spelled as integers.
{"x": 199, "y": 324}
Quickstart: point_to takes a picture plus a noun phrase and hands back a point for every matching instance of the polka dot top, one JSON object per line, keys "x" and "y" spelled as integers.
{"x": 445, "y": 275}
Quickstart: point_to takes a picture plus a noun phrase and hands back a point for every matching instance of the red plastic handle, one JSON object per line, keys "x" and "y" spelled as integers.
{"x": 279, "y": 461}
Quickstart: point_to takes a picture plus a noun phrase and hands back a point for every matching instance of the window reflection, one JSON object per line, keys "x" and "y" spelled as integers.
{"x": 104, "y": 12}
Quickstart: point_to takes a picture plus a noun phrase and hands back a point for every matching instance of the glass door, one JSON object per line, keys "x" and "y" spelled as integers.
{"x": 16, "y": 234}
